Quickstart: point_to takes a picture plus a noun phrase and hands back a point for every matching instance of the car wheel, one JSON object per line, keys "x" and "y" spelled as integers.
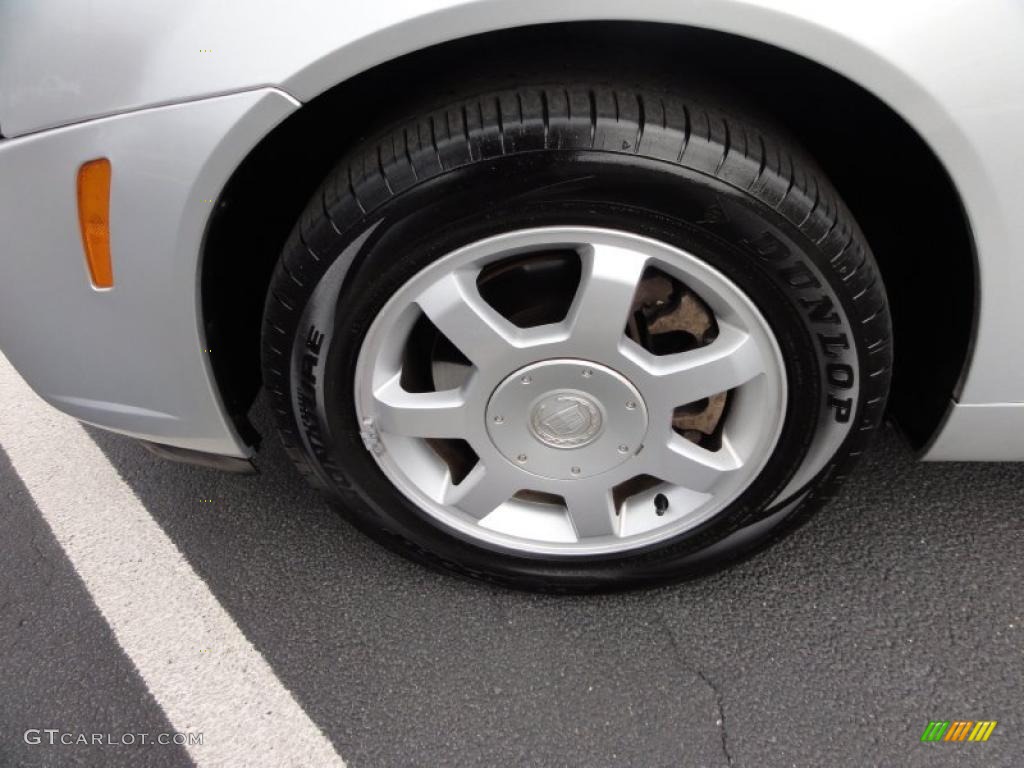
{"x": 576, "y": 337}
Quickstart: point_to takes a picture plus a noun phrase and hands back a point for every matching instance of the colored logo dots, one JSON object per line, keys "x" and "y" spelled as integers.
{"x": 958, "y": 730}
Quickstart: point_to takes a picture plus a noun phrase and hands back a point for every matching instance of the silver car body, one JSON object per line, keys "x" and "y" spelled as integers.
{"x": 177, "y": 94}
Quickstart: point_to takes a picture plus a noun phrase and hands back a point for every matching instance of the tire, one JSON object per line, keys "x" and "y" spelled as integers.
{"x": 651, "y": 168}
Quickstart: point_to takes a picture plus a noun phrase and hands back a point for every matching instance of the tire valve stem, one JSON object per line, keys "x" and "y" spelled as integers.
{"x": 660, "y": 504}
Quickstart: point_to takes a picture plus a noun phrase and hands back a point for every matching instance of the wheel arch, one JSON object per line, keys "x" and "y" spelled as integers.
{"x": 852, "y": 133}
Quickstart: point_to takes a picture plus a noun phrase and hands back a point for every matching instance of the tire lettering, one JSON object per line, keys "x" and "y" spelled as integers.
{"x": 767, "y": 247}
{"x": 822, "y": 310}
{"x": 830, "y": 343}
{"x": 841, "y": 408}
{"x": 799, "y": 276}
{"x": 313, "y": 340}
{"x": 819, "y": 308}
{"x": 713, "y": 214}
{"x": 307, "y": 398}
{"x": 840, "y": 375}
{"x": 308, "y": 369}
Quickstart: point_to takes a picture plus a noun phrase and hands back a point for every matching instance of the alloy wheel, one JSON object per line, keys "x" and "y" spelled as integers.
{"x": 619, "y": 392}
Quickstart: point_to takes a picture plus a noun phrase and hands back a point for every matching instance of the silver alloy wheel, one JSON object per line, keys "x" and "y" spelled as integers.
{"x": 562, "y": 414}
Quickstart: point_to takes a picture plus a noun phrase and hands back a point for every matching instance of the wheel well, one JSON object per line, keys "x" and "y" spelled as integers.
{"x": 896, "y": 187}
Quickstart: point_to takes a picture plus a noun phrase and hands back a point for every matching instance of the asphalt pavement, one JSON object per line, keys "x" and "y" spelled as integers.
{"x": 900, "y": 603}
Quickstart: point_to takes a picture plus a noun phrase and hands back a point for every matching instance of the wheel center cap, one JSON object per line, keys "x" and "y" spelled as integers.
{"x": 566, "y": 419}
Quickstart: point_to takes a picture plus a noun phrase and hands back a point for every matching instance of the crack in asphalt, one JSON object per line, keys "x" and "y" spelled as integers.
{"x": 694, "y": 669}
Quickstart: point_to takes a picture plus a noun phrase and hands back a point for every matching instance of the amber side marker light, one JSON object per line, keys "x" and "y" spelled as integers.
{"x": 94, "y": 219}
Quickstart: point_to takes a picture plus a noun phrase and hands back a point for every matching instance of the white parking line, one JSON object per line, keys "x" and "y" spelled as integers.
{"x": 194, "y": 659}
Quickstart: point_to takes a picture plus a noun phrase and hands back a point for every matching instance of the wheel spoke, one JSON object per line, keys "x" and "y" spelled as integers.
{"x": 729, "y": 361}
{"x": 419, "y": 414}
{"x": 455, "y": 306}
{"x": 591, "y": 510}
{"x": 482, "y": 491}
{"x": 610, "y": 276}
{"x": 686, "y": 464}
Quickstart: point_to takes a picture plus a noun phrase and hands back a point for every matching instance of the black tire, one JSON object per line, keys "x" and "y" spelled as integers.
{"x": 656, "y": 163}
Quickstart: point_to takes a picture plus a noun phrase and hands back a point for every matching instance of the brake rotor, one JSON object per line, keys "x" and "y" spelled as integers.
{"x": 668, "y": 317}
